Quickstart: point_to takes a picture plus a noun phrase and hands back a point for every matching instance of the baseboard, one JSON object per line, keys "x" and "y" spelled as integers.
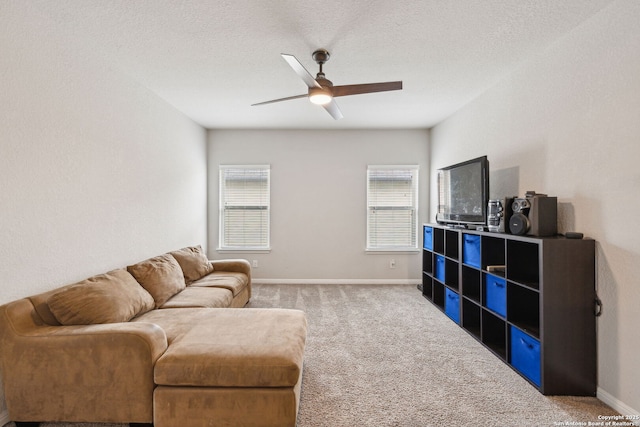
{"x": 336, "y": 281}
{"x": 4, "y": 417}
{"x": 619, "y": 406}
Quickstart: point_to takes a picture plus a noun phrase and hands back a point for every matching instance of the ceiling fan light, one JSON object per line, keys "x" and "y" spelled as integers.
{"x": 320, "y": 96}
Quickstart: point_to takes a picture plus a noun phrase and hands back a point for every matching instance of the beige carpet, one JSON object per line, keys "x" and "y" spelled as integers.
{"x": 384, "y": 356}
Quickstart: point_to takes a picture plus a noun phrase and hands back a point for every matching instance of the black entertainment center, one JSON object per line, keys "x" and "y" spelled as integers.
{"x": 529, "y": 299}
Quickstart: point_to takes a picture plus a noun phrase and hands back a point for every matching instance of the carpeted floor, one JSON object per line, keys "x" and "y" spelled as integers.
{"x": 384, "y": 356}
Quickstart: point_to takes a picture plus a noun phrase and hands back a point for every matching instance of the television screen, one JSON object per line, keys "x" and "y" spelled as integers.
{"x": 463, "y": 192}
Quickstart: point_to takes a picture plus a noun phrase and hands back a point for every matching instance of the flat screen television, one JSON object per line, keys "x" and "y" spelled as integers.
{"x": 463, "y": 193}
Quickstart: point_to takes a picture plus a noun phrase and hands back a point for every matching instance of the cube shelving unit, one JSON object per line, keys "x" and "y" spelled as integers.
{"x": 531, "y": 301}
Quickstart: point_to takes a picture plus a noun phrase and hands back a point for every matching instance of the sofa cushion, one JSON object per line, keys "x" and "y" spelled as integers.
{"x": 228, "y": 347}
{"x": 106, "y": 298}
{"x": 193, "y": 261}
{"x": 161, "y": 276}
{"x": 233, "y": 281}
{"x": 200, "y": 297}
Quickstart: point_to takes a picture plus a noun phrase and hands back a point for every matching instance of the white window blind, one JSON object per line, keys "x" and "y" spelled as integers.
{"x": 392, "y": 207}
{"x": 244, "y": 207}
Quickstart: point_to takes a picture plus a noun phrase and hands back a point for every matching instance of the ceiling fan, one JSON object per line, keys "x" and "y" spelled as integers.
{"x": 322, "y": 91}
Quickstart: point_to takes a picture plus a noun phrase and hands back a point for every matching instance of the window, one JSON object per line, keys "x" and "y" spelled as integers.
{"x": 244, "y": 207}
{"x": 392, "y": 207}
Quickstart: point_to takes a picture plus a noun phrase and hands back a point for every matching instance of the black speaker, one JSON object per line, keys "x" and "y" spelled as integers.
{"x": 519, "y": 224}
{"x": 534, "y": 215}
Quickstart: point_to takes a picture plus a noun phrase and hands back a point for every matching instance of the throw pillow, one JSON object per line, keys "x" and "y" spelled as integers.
{"x": 106, "y": 298}
{"x": 194, "y": 263}
{"x": 161, "y": 276}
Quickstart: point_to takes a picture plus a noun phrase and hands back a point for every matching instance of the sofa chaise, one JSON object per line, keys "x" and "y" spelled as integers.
{"x": 163, "y": 342}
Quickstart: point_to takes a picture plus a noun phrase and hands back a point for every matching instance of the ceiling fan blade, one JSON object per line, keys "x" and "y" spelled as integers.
{"x": 365, "y": 88}
{"x": 332, "y": 108}
{"x": 300, "y": 70}
{"x": 280, "y": 99}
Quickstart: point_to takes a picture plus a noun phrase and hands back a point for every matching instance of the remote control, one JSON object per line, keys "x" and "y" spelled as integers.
{"x": 573, "y": 235}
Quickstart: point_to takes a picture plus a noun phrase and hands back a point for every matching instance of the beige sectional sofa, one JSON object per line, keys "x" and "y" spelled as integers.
{"x": 163, "y": 341}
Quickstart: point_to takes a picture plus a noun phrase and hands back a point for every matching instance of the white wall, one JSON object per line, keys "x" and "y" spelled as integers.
{"x": 567, "y": 123}
{"x": 318, "y": 199}
{"x": 95, "y": 171}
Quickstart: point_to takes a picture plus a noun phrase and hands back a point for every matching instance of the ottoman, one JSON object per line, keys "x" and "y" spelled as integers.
{"x": 231, "y": 367}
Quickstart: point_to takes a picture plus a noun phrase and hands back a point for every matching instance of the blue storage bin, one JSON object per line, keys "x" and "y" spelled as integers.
{"x": 452, "y": 305}
{"x": 496, "y": 294}
{"x": 471, "y": 250}
{"x": 439, "y": 268}
{"x": 525, "y": 355}
{"x": 428, "y": 238}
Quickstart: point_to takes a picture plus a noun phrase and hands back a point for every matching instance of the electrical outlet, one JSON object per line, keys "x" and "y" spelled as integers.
{"x": 392, "y": 263}
{"x": 255, "y": 263}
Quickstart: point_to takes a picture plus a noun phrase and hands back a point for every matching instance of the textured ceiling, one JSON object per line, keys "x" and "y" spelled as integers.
{"x": 211, "y": 59}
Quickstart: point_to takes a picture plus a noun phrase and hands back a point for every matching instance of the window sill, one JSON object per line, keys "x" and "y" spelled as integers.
{"x": 243, "y": 251}
{"x": 386, "y": 251}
